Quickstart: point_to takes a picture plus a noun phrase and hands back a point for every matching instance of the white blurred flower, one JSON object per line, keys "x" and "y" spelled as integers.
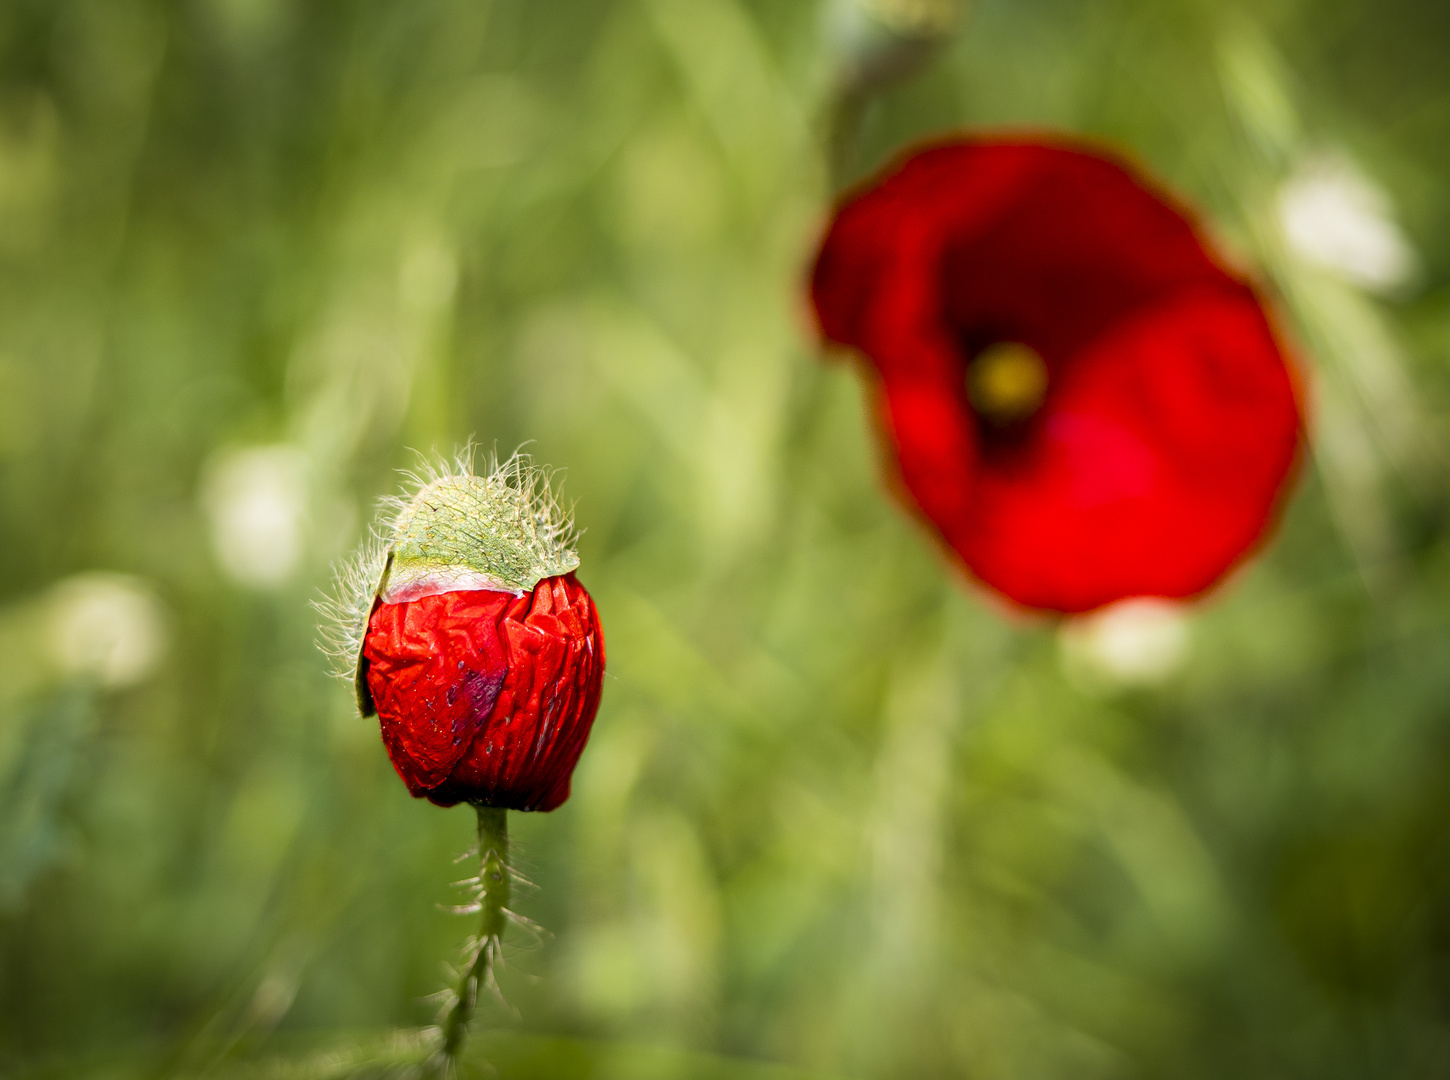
{"x": 1131, "y": 643}
{"x": 257, "y": 501}
{"x": 1334, "y": 216}
{"x": 110, "y": 627}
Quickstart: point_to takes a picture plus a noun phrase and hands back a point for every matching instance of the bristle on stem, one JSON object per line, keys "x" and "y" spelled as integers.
{"x": 493, "y": 900}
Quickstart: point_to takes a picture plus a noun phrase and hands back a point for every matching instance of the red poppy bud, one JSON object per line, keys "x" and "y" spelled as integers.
{"x": 480, "y": 652}
{"x": 1084, "y": 403}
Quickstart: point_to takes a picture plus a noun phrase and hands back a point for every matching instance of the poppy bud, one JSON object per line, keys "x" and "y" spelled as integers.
{"x": 480, "y": 652}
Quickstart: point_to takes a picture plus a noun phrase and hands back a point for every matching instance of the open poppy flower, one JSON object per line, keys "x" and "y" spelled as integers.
{"x": 1084, "y": 403}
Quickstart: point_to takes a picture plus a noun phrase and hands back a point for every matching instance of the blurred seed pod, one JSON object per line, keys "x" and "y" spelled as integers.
{"x": 878, "y": 43}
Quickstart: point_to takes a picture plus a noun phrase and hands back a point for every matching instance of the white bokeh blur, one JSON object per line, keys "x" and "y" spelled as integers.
{"x": 108, "y": 627}
{"x": 257, "y": 501}
{"x": 1335, "y": 217}
{"x": 1139, "y": 642}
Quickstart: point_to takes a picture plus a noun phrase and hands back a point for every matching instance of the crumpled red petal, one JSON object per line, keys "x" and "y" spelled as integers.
{"x": 435, "y": 668}
{"x": 486, "y": 697}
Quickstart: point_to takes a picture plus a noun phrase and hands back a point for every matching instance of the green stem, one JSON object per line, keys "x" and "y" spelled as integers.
{"x": 493, "y": 899}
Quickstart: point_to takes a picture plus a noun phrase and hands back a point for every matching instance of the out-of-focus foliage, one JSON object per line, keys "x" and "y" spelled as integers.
{"x": 839, "y": 812}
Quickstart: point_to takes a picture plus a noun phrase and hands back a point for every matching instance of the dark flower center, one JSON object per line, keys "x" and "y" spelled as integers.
{"x": 1006, "y": 382}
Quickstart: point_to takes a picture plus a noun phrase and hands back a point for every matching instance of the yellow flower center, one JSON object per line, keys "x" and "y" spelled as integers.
{"x": 1006, "y": 382}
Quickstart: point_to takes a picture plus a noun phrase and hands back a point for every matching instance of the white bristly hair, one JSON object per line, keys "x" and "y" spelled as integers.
{"x": 450, "y": 528}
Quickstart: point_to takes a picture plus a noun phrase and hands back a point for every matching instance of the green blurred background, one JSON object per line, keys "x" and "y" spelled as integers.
{"x": 842, "y": 815}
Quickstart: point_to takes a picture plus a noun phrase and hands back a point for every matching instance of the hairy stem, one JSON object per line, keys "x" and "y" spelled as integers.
{"x": 493, "y": 899}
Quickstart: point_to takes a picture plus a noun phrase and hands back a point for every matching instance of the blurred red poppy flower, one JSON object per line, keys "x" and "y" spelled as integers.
{"x": 1083, "y": 401}
{"x": 484, "y": 696}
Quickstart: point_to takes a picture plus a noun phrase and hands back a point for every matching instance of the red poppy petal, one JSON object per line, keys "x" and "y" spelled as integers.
{"x": 1158, "y": 466}
{"x": 935, "y": 438}
{"x": 435, "y": 669}
{"x": 525, "y": 754}
{"x": 892, "y": 238}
